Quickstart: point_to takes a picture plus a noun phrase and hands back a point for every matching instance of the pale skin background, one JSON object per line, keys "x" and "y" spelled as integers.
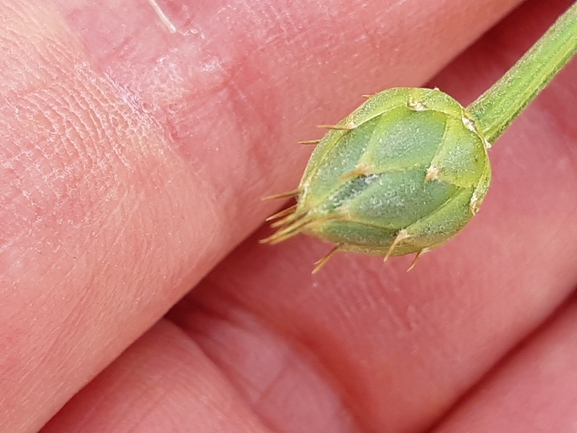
{"x": 133, "y": 161}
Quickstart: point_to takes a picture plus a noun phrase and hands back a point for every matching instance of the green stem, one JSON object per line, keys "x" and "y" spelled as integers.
{"x": 495, "y": 109}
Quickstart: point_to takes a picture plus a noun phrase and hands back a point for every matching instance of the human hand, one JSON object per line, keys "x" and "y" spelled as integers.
{"x": 133, "y": 161}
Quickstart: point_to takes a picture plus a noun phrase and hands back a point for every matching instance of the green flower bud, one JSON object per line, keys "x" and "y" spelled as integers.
{"x": 403, "y": 173}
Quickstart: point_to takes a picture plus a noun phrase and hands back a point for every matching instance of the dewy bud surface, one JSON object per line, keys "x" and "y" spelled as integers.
{"x": 403, "y": 173}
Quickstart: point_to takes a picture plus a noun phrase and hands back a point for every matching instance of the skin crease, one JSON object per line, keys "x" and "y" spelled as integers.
{"x": 128, "y": 151}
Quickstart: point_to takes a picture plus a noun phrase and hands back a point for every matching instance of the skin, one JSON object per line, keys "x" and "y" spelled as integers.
{"x": 133, "y": 161}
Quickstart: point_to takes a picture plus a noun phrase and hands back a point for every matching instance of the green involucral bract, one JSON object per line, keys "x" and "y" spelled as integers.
{"x": 403, "y": 173}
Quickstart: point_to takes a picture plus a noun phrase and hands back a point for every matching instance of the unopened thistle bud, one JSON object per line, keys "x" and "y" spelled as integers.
{"x": 401, "y": 174}
{"x": 408, "y": 169}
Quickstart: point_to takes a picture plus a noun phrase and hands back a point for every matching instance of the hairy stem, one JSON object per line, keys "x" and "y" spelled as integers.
{"x": 495, "y": 109}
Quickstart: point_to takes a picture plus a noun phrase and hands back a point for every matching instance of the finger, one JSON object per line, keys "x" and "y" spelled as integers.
{"x": 535, "y": 389}
{"x": 93, "y": 210}
{"x": 161, "y": 383}
{"x": 123, "y": 283}
{"x": 399, "y": 349}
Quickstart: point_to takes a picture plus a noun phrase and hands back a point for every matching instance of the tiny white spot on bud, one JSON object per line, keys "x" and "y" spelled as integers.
{"x": 469, "y": 124}
{"x": 432, "y": 173}
{"x": 474, "y": 204}
{"x": 416, "y": 105}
